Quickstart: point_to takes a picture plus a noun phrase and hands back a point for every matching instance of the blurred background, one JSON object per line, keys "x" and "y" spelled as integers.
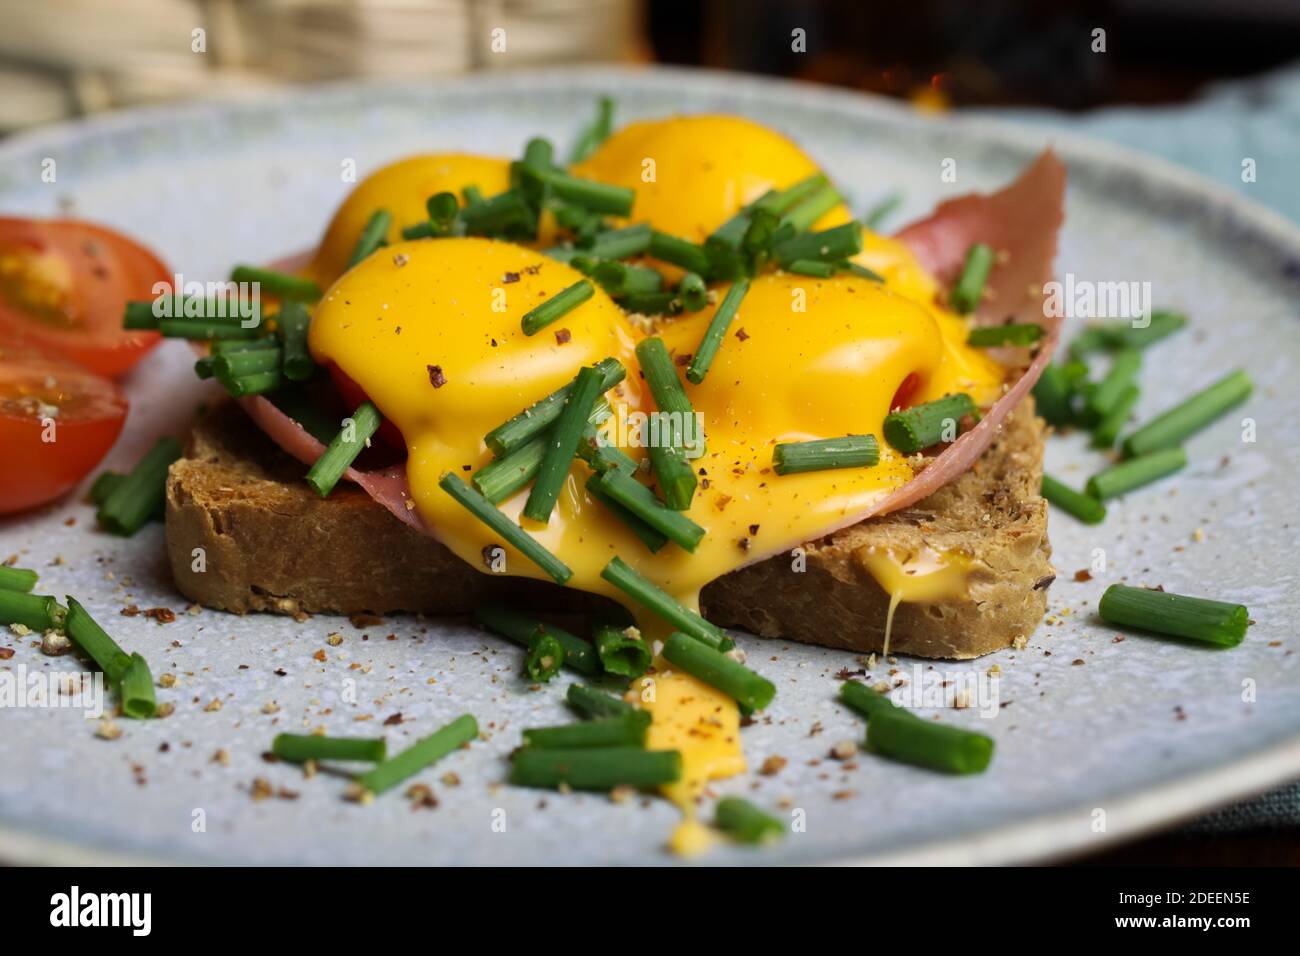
{"x": 67, "y": 58}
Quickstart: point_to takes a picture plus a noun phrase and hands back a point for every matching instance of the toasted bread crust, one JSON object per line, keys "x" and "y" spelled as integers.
{"x": 270, "y": 544}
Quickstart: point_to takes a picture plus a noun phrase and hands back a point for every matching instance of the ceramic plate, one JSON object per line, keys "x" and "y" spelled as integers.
{"x": 1097, "y": 740}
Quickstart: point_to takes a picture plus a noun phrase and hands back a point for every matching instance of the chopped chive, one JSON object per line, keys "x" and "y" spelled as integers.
{"x": 749, "y": 689}
{"x": 418, "y": 230}
{"x": 1053, "y": 395}
{"x": 300, "y": 748}
{"x": 136, "y": 690}
{"x": 19, "y": 579}
{"x": 1136, "y": 472}
{"x": 103, "y": 486}
{"x": 683, "y": 253}
{"x": 207, "y": 329}
{"x": 219, "y": 312}
{"x": 743, "y": 821}
{"x": 1107, "y": 336}
{"x": 141, "y": 493}
{"x": 562, "y": 445}
{"x": 924, "y": 426}
{"x": 230, "y": 365}
{"x": 557, "y": 306}
{"x": 591, "y": 195}
{"x": 812, "y": 267}
{"x": 602, "y": 456}
{"x": 620, "y": 730}
{"x": 1190, "y": 416}
{"x": 372, "y": 236}
{"x": 506, "y": 213}
{"x": 254, "y": 383}
{"x": 693, "y": 292}
{"x": 650, "y": 303}
{"x": 677, "y": 480}
{"x": 621, "y": 243}
{"x": 1121, "y": 374}
{"x": 37, "y": 612}
{"x": 485, "y": 511}
{"x": 594, "y": 768}
{"x": 472, "y": 195}
{"x": 597, "y": 132}
{"x": 718, "y": 325}
{"x": 139, "y": 315}
{"x": 829, "y": 245}
{"x": 1160, "y": 612}
{"x": 661, "y": 376}
{"x": 641, "y": 501}
{"x": 621, "y": 279}
{"x": 969, "y": 289}
{"x": 650, "y": 537}
{"x": 84, "y": 631}
{"x": 821, "y": 201}
{"x": 500, "y": 478}
{"x": 592, "y": 704}
{"x": 443, "y": 208}
{"x": 881, "y": 211}
{"x": 579, "y": 655}
{"x": 861, "y": 271}
{"x": 851, "y": 451}
{"x": 1108, "y": 429}
{"x": 783, "y": 200}
{"x": 419, "y": 755}
{"x": 994, "y": 335}
{"x": 343, "y": 449}
{"x": 1084, "y": 507}
{"x": 901, "y": 735}
{"x": 621, "y": 651}
{"x": 279, "y": 284}
{"x": 539, "y": 416}
{"x": 620, "y": 574}
{"x": 544, "y": 658}
{"x": 294, "y": 321}
{"x": 760, "y": 234}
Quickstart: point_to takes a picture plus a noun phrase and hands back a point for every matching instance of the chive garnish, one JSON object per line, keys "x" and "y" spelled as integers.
{"x": 562, "y": 445}
{"x": 300, "y": 748}
{"x": 598, "y": 197}
{"x": 279, "y": 284}
{"x": 901, "y": 735}
{"x": 544, "y": 658}
{"x": 683, "y": 253}
{"x": 1084, "y": 507}
{"x": 621, "y": 243}
{"x": 1108, "y": 429}
{"x": 641, "y": 501}
{"x": 293, "y": 322}
{"x": 103, "y": 486}
{"x": 229, "y": 365}
{"x": 557, "y": 306}
{"x": 620, "y": 574}
{"x": 693, "y": 292}
{"x": 19, "y": 579}
{"x": 620, "y": 730}
{"x": 136, "y": 690}
{"x": 602, "y": 456}
{"x": 38, "y": 612}
{"x": 811, "y": 208}
{"x": 141, "y": 493}
{"x": 343, "y": 449}
{"x": 650, "y": 303}
{"x": 216, "y": 312}
{"x": 991, "y": 336}
{"x": 372, "y": 236}
{"x": 620, "y": 279}
{"x": 1177, "y": 615}
{"x": 84, "y": 631}
{"x": 1121, "y": 374}
{"x": 254, "y": 383}
{"x": 502, "y": 477}
{"x": 208, "y": 329}
{"x": 595, "y": 768}
{"x": 718, "y": 325}
{"x": 829, "y": 245}
{"x": 1053, "y": 396}
{"x": 968, "y": 291}
{"x": 420, "y": 755}
{"x": 743, "y": 821}
{"x": 650, "y": 537}
{"x": 812, "y": 267}
{"x": 924, "y": 426}
{"x": 878, "y": 213}
{"x": 592, "y": 704}
{"x": 443, "y": 208}
{"x": 1190, "y": 416}
{"x": 861, "y": 271}
{"x": 1107, "y": 336}
{"x": 520, "y": 628}
{"x": 851, "y": 451}
{"x": 621, "y": 652}
{"x": 539, "y": 416}
{"x": 749, "y": 689}
{"x": 1136, "y": 472}
{"x": 507, "y": 213}
{"x": 677, "y": 480}
{"x": 595, "y": 134}
{"x": 418, "y": 230}
{"x": 473, "y": 502}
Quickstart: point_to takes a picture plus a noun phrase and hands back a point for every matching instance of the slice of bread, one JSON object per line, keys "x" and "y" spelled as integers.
{"x": 245, "y": 533}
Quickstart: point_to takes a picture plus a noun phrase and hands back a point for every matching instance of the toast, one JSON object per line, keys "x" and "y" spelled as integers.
{"x": 269, "y": 543}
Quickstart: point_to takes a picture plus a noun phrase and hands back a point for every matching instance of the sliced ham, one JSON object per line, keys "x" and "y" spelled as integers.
{"x": 1021, "y": 222}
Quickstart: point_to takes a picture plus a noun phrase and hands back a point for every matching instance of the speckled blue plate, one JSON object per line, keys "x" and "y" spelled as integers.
{"x": 1097, "y": 740}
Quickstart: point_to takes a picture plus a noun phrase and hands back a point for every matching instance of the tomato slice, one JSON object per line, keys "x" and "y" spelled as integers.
{"x": 57, "y": 422}
{"x": 64, "y": 285}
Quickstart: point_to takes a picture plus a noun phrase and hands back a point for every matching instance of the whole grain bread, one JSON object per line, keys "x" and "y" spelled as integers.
{"x": 245, "y": 533}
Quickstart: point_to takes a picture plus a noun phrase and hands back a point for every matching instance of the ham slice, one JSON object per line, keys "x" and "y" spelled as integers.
{"x": 1020, "y": 222}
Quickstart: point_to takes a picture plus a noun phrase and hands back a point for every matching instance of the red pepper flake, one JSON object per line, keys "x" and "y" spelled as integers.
{"x": 683, "y": 360}
{"x": 363, "y": 621}
{"x": 509, "y": 277}
{"x": 563, "y": 337}
{"x": 6, "y": 653}
{"x": 753, "y": 529}
{"x": 741, "y": 333}
{"x": 131, "y": 610}
{"x": 436, "y": 378}
{"x": 400, "y": 259}
{"x": 1083, "y": 575}
{"x": 163, "y": 615}
{"x": 393, "y": 719}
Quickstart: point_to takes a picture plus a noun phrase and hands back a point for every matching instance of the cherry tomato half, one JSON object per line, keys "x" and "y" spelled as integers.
{"x": 64, "y": 285}
{"x": 57, "y": 422}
